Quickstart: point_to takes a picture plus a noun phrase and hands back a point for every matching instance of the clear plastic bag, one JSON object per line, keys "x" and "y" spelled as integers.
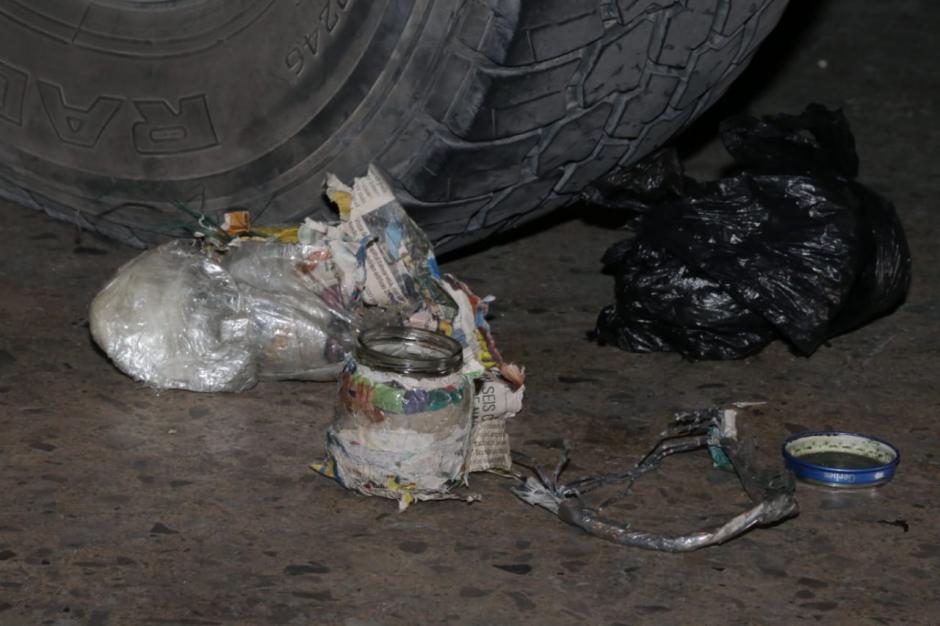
{"x": 302, "y": 324}
{"x": 174, "y": 318}
{"x": 177, "y": 317}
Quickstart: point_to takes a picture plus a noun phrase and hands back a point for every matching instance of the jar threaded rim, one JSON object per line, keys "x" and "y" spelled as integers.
{"x": 407, "y": 350}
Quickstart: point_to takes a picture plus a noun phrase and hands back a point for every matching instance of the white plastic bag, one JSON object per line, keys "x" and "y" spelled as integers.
{"x": 180, "y": 318}
{"x": 174, "y": 318}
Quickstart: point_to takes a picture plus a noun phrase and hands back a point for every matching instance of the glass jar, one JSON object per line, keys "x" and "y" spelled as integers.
{"x": 403, "y": 416}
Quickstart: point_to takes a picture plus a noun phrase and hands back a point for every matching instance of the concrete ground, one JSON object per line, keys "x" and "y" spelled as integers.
{"x": 121, "y": 505}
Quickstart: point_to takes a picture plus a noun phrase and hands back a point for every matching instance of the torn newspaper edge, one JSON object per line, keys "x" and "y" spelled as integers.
{"x": 400, "y": 271}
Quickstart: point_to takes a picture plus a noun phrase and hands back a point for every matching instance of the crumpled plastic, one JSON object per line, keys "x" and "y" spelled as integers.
{"x": 175, "y": 318}
{"x": 181, "y": 317}
{"x": 240, "y": 305}
{"x": 303, "y": 321}
{"x": 220, "y": 313}
{"x": 791, "y": 247}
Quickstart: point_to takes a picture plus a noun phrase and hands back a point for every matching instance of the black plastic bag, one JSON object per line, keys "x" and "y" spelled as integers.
{"x": 790, "y": 247}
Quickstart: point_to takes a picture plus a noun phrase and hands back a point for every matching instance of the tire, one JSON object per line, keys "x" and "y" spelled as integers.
{"x": 125, "y": 116}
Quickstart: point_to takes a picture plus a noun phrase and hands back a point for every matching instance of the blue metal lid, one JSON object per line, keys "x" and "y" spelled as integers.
{"x": 841, "y": 459}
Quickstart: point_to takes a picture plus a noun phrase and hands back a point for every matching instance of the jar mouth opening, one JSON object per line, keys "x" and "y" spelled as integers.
{"x": 409, "y": 351}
